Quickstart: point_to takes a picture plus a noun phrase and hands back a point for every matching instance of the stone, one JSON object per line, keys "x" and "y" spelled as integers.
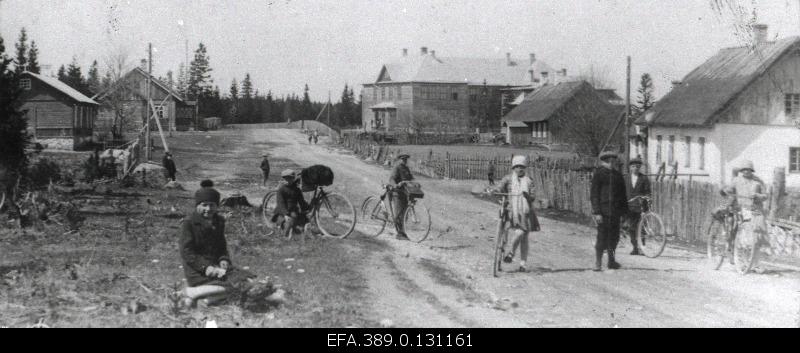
{"x": 386, "y": 323}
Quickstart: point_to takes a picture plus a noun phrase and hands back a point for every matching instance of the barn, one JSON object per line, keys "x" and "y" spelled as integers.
{"x": 59, "y": 116}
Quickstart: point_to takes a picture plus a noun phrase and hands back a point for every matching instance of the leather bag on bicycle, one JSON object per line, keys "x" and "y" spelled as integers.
{"x": 413, "y": 191}
{"x": 315, "y": 176}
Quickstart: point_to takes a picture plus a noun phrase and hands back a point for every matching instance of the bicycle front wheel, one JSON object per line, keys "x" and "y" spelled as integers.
{"x": 374, "y": 216}
{"x": 745, "y": 252}
{"x": 417, "y": 223}
{"x": 336, "y": 216}
{"x": 499, "y": 248}
{"x": 717, "y": 243}
{"x": 651, "y": 236}
{"x": 268, "y": 205}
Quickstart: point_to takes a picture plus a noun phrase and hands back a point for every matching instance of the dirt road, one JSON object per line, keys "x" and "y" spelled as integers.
{"x": 446, "y": 281}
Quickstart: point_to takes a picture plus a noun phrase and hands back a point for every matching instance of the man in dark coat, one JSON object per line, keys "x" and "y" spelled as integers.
{"x": 204, "y": 251}
{"x": 291, "y": 205}
{"x": 609, "y": 203}
{"x": 638, "y": 186}
{"x": 265, "y": 169}
{"x": 401, "y": 174}
{"x": 169, "y": 165}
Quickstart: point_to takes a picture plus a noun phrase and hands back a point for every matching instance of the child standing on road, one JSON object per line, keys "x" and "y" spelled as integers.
{"x": 522, "y": 216}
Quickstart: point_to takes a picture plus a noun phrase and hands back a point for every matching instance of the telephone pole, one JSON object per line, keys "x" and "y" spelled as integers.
{"x": 148, "y": 150}
{"x": 626, "y": 139}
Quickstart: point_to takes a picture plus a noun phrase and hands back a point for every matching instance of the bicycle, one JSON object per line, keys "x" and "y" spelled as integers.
{"x": 501, "y": 240}
{"x": 724, "y": 239}
{"x": 333, "y": 213}
{"x": 650, "y": 234}
{"x": 417, "y": 218}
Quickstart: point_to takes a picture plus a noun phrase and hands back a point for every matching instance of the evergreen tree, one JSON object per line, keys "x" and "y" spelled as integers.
{"x": 234, "y": 90}
{"x": 62, "y": 74}
{"x": 645, "y": 101}
{"x": 75, "y": 77}
{"x": 306, "y": 108}
{"x": 180, "y": 86}
{"x": 234, "y": 102}
{"x": 93, "y": 81}
{"x": 200, "y": 82}
{"x": 13, "y": 126}
{"x": 247, "y": 88}
{"x": 170, "y": 80}
{"x": 22, "y": 52}
{"x": 33, "y": 59}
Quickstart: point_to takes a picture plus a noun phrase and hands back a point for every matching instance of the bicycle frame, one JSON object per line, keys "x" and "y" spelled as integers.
{"x": 388, "y": 205}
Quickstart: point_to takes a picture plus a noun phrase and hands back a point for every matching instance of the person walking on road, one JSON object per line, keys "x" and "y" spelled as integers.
{"x": 397, "y": 197}
{"x": 169, "y": 164}
{"x": 316, "y": 136}
{"x": 519, "y": 187}
{"x": 638, "y": 186}
{"x": 265, "y": 169}
{"x": 490, "y": 173}
{"x": 750, "y": 193}
{"x": 609, "y": 203}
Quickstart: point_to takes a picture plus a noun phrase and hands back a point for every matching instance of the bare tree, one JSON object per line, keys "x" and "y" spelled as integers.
{"x": 118, "y": 97}
{"x": 599, "y": 77}
{"x": 586, "y": 122}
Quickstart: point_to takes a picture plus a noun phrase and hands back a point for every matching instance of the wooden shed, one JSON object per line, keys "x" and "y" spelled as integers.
{"x": 58, "y": 116}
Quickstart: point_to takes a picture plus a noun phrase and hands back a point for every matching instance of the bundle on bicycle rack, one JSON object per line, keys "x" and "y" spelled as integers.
{"x": 315, "y": 176}
{"x": 414, "y": 190}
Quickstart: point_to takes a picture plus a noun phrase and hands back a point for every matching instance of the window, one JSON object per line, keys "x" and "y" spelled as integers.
{"x": 702, "y": 142}
{"x": 794, "y": 159}
{"x": 792, "y": 104}
{"x": 540, "y": 129}
{"x": 383, "y": 93}
{"x": 391, "y": 92}
{"x": 25, "y": 84}
{"x": 473, "y": 97}
{"x": 671, "y": 150}
{"x": 159, "y": 109}
{"x": 688, "y": 150}
{"x": 659, "y": 140}
{"x": 375, "y": 94}
{"x": 455, "y": 96}
{"x": 400, "y": 92}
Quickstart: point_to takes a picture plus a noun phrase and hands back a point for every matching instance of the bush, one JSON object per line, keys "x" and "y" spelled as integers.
{"x": 43, "y": 172}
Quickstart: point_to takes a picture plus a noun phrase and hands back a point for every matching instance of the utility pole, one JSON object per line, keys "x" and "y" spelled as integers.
{"x": 329, "y": 110}
{"x": 627, "y": 157}
{"x": 148, "y": 150}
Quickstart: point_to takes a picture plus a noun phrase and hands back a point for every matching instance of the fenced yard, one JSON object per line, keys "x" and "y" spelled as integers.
{"x": 563, "y": 183}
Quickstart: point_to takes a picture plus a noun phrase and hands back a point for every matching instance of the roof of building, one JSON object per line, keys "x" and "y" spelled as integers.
{"x": 608, "y": 94}
{"x": 543, "y": 103}
{"x": 430, "y": 68}
{"x": 712, "y": 86}
{"x": 155, "y": 81}
{"x": 62, "y": 87}
{"x": 384, "y": 105}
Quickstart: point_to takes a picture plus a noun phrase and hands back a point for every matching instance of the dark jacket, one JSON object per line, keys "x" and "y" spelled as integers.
{"x": 609, "y": 195}
{"x": 265, "y": 165}
{"x": 290, "y": 199}
{"x": 400, "y": 173}
{"x": 202, "y": 244}
{"x": 169, "y": 165}
{"x": 642, "y": 188}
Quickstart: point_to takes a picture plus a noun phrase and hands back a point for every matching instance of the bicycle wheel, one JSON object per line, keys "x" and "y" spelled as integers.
{"x": 717, "y": 243}
{"x": 2, "y": 199}
{"x": 374, "y": 216}
{"x": 499, "y": 248}
{"x": 417, "y": 223}
{"x": 268, "y": 205}
{"x": 745, "y": 251}
{"x": 336, "y": 216}
{"x": 651, "y": 235}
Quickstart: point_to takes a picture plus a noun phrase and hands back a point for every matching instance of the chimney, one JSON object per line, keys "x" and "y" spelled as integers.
{"x": 424, "y": 50}
{"x": 405, "y": 52}
{"x": 760, "y": 33}
{"x": 564, "y": 72}
{"x": 143, "y": 65}
{"x": 545, "y": 78}
{"x": 508, "y": 59}
{"x": 533, "y": 77}
{"x": 533, "y": 58}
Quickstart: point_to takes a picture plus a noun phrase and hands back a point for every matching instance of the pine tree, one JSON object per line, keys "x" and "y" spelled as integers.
{"x": 182, "y": 81}
{"x": 75, "y": 77}
{"x": 93, "y": 81}
{"x": 645, "y": 101}
{"x": 13, "y": 126}
{"x": 22, "y": 52}
{"x": 306, "y": 108}
{"x": 234, "y": 90}
{"x": 62, "y": 74}
{"x": 200, "y": 83}
{"x": 247, "y": 88}
{"x": 33, "y": 59}
{"x": 170, "y": 80}
{"x": 234, "y": 97}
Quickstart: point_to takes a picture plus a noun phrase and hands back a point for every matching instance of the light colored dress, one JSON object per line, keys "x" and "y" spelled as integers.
{"x": 746, "y": 191}
{"x": 520, "y": 190}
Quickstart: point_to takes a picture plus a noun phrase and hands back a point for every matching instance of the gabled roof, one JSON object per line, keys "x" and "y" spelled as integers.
{"x": 62, "y": 87}
{"x": 543, "y": 103}
{"x": 155, "y": 81}
{"x": 712, "y": 86}
{"x": 429, "y": 68}
{"x": 609, "y": 94}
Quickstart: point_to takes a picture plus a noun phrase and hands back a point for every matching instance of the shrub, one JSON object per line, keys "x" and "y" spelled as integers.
{"x": 43, "y": 172}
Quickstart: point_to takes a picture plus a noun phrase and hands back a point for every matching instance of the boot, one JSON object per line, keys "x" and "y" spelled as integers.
{"x": 598, "y": 265}
{"x": 612, "y": 262}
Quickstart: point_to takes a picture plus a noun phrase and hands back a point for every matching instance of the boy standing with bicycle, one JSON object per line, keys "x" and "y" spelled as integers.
{"x": 291, "y": 205}
{"x": 750, "y": 194}
{"x": 639, "y": 187}
{"x": 523, "y": 219}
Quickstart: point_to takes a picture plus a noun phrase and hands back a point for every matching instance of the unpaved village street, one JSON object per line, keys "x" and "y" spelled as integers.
{"x": 447, "y": 281}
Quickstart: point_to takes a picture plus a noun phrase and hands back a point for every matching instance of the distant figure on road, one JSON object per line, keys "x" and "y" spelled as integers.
{"x": 397, "y": 197}
{"x": 316, "y": 136}
{"x": 491, "y": 172}
{"x": 523, "y": 218}
{"x": 310, "y": 137}
{"x": 265, "y": 168}
{"x": 638, "y": 185}
{"x": 169, "y": 165}
{"x": 291, "y": 207}
{"x": 609, "y": 203}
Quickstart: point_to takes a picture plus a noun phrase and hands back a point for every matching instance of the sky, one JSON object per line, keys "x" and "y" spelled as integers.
{"x": 327, "y": 43}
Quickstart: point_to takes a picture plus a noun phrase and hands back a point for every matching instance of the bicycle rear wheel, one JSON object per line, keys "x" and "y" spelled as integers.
{"x": 499, "y": 248}
{"x": 374, "y": 216}
{"x": 651, "y": 235}
{"x": 336, "y": 216}
{"x": 268, "y": 205}
{"x": 717, "y": 243}
{"x": 745, "y": 252}
{"x": 417, "y": 223}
